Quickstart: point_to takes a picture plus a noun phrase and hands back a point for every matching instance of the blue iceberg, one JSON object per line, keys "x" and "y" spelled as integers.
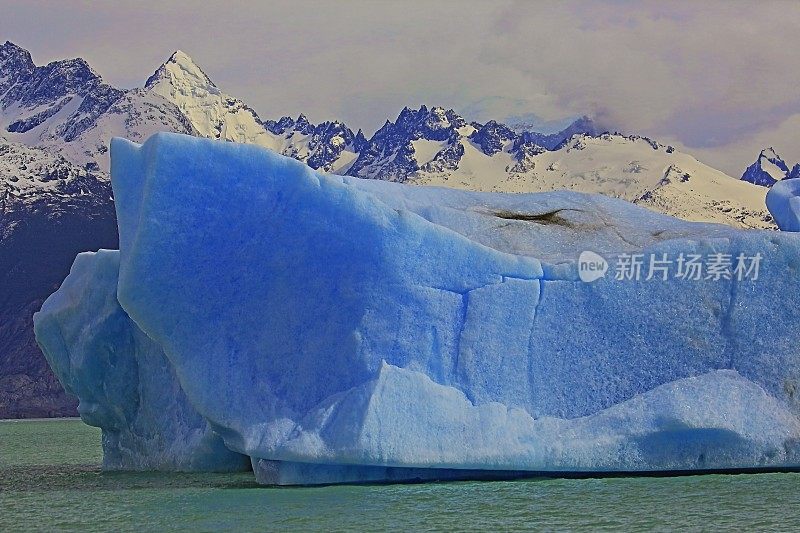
{"x": 783, "y": 202}
{"x": 334, "y": 329}
{"x": 125, "y": 384}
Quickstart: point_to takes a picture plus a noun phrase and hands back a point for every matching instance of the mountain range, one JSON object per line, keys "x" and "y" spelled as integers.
{"x": 56, "y": 122}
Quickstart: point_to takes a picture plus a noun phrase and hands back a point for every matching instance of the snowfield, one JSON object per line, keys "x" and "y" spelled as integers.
{"x": 630, "y": 168}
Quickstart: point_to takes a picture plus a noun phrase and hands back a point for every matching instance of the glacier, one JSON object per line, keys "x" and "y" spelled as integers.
{"x": 333, "y": 329}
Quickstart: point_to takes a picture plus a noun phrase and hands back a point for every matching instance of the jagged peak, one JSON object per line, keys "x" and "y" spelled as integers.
{"x": 9, "y": 47}
{"x": 179, "y": 56}
{"x": 16, "y": 56}
{"x": 767, "y": 169}
{"x": 76, "y": 64}
{"x": 180, "y": 68}
{"x": 435, "y": 117}
{"x": 772, "y": 156}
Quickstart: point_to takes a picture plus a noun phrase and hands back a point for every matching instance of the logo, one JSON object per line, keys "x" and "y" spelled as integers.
{"x": 591, "y": 266}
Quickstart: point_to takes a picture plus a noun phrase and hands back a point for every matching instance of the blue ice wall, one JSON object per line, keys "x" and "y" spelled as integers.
{"x": 125, "y": 384}
{"x": 331, "y": 328}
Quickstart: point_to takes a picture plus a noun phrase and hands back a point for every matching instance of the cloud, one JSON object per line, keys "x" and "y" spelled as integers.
{"x": 784, "y": 137}
{"x": 715, "y": 77}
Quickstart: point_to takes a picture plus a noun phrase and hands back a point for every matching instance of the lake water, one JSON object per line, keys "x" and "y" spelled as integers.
{"x": 50, "y": 480}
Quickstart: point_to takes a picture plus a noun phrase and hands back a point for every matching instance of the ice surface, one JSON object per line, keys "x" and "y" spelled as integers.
{"x": 783, "y": 202}
{"x": 337, "y": 329}
{"x": 125, "y": 384}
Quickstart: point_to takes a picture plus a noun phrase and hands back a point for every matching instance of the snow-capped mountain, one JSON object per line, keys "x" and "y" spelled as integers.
{"x": 769, "y": 168}
{"x": 52, "y": 103}
{"x": 217, "y": 115}
{"x": 329, "y": 146}
{"x": 30, "y": 173}
{"x": 136, "y": 115}
{"x": 66, "y": 107}
{"x": 210, "y": 111}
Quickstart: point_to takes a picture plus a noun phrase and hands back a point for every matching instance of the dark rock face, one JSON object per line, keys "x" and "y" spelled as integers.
{"x": 326, "y": 141}
{"x": 446, "y": 159}
{"x": 15, "y": 64}
{"x": 56, "y": 85}
{"x": 758, "y": 173}
{"x": 552, "y": 141}
{"x": 40, "y": 234}
{"x": 492, "y": 136}
{"x": 389, "y": 154}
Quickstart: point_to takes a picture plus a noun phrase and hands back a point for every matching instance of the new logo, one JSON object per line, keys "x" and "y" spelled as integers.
{"x": 591, "y": 266}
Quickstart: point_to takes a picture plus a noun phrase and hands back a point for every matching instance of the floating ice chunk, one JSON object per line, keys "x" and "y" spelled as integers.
{"x": 125, "y": 384}
{"x": 783, "y": 202}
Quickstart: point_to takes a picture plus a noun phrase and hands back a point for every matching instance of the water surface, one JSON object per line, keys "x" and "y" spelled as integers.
{"x": 50, "y": 480}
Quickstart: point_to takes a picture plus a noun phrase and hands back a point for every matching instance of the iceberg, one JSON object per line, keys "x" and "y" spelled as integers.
{"x": 333, "y": 329}
{"x": 783, "y": 202}
{"x": 125, "y": 384}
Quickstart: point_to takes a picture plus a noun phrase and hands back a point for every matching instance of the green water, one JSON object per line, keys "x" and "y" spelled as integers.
{"x": 50, "y": 480}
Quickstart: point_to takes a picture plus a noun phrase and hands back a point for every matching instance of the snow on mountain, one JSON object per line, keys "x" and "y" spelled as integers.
{"x": 437, "y": 139}
{"x": 390, "y": 154}
{"x": 767, "y": 169}
{"x": 67, "y": 107}
{"x": 137, "y": 115}
{"x": 52, "y": 104}
{"x": 329, "y": 147}
{"x": 629, "y": 167}
{"x": 213, "y": 113}
{"x": 50, "y": 209}
{"x": 29, "y": 172}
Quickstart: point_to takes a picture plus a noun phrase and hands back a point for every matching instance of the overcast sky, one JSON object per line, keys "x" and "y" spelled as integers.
{"x": 719, "y": 80}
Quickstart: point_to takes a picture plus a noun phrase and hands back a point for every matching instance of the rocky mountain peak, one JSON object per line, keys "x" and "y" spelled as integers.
{"x": 768, "y": 169}
{"x": 180, "y": 70}
{"x": 492, "y": 137}
{"x": 13, "y": 59}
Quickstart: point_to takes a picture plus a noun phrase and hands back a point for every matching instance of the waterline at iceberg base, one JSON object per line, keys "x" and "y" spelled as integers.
{"x": 330, "y": 329}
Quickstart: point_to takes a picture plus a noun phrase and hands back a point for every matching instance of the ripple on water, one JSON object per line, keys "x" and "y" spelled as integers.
{"x": 47, "y": 487}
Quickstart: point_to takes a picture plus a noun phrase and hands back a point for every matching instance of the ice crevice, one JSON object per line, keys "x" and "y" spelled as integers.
{"x": 326, "y": 329}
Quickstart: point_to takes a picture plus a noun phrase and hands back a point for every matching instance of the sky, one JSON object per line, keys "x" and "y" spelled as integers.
{"x": 719, "y": 80}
